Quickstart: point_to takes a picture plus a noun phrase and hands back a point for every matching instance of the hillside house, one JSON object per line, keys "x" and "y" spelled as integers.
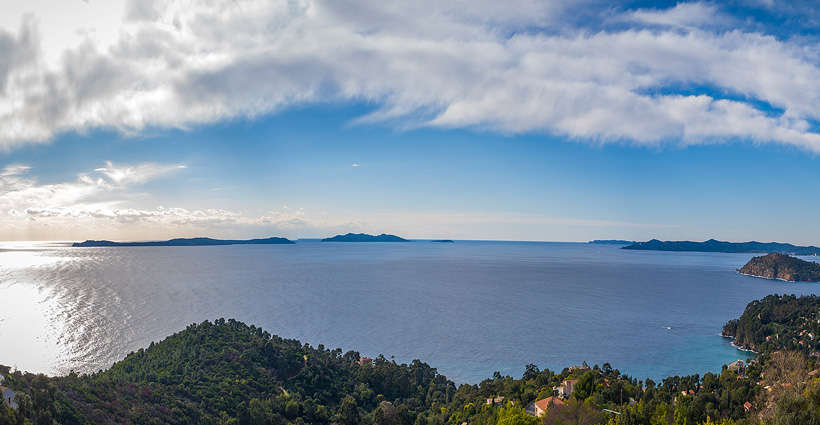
{"x": 495, "y": 400}
{"x": 8, "y": 396}
{"x": 566, "y": 388}
{"x": 737, "y": 366}
{"x": 541, "y": 406}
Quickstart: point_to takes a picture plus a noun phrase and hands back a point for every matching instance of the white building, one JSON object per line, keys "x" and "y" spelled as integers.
{"x": 8, "y": 396}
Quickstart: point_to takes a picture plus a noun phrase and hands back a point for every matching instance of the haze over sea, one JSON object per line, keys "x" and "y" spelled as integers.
{"x": 469, "y": 308}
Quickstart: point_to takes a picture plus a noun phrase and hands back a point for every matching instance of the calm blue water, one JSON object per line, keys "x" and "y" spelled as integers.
{"x": 468, "y": 308}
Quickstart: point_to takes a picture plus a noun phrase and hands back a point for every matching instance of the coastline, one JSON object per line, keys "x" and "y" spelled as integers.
{"x": 769, "y": 278}
{"x": 732, "y": 343}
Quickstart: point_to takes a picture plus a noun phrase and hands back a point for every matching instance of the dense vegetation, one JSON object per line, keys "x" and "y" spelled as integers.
{"x": 228, "y": 372}
{"x": 782, "y": 266}
{"x": 778, "y": 322}
{"x": 720, "y": 246}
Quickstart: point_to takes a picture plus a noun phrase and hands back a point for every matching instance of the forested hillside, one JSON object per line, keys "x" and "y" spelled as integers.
{"x": 778, "y": 322}
{"x": 227, "y": 372}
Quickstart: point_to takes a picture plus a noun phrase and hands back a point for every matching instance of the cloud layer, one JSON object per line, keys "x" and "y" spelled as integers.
{"x": 108, "y": 203}
{"x": 690, "y": 74}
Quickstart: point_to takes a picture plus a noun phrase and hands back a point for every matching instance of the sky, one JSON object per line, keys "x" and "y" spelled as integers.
{"x": 535, "y": 120}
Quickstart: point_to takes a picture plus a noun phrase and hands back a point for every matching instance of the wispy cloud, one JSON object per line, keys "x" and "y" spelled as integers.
{"x": 125, "y": 175}
{"x": 682, "y": 75}
{"x": 683, "y": 15}
{"x": 91, "y": 195}
{"x": 101, "y": 203}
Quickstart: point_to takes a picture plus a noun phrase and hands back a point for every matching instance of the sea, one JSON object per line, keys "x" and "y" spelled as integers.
{"x": 468, "y": 308}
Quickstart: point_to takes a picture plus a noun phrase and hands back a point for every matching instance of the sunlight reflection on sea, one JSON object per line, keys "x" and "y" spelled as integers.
{"x": 468, "y": 308}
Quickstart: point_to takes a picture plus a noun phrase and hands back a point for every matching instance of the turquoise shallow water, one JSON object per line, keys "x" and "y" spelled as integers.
{"x": 467, "y": 308}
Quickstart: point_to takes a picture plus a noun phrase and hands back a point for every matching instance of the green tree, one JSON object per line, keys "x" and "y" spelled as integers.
{"x": 530, "y": 372}
{"x": 515, "y": 415}
{"x": 585, "y": 386}
{"x": 793, "y": 409}
{"x": 348, "y": 413}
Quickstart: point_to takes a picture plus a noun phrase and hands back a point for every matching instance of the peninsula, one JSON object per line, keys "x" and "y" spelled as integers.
{"x": 783, "y": 267}
{"x": 363, "y": 237}
{"x": 186, "y": 242}
{"x": 720, "y": 246}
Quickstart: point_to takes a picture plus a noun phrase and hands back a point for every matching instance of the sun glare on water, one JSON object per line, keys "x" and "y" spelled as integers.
{"x": 27, "y": 309}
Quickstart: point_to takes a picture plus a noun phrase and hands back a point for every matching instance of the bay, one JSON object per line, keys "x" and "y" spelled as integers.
{"x": 468, "y": 308}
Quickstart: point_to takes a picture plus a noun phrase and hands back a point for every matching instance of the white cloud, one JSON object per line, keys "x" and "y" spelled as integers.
{"x": 88, "y": 196}
{"x": 511, "y": 68}
{"x": 100, "y": 204}
{"x": 135, "y": 174}
{"x": 683, "y": 15}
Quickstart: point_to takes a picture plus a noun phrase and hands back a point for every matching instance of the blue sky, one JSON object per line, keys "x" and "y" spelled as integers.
{"x": 550, "y": 120}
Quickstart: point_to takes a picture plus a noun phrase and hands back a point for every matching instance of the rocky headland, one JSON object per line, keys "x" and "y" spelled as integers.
{"x": 783, "y": 267}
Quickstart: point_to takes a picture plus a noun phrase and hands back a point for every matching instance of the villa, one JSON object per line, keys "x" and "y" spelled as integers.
{"x": 495, "y": 400}
{"x": 8, "y": 396}
{"x": 566, "y": 388}
{"x": 737, "y": 366}
{"x": 541, "y": 406}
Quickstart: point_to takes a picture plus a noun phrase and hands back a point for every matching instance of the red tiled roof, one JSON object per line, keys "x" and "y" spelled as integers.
{"x": 544, "y": 403}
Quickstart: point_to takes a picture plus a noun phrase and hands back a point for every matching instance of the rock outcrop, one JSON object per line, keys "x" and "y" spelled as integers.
{"x": 783, "y": 267}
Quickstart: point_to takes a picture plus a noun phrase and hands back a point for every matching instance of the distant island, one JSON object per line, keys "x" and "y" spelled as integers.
{"x": 363, "y": 237}
{"x": 443, "y": 240}
{"x": 186, "y": 242}
{"x": 611, "y": 242}
{"x": 719, "y": 246}
{"x": 783, "y": 267}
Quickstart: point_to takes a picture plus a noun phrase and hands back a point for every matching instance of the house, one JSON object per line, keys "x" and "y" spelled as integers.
{"x": 748, "y": 407}
{"x": 541, "y": 406}
{"x": 8, "y": 396}
{"x": 566, "y": 388}
{"x": 364, "y": 360}
{"x": 737, "y": 366}
{"x": 495, "y": 400}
